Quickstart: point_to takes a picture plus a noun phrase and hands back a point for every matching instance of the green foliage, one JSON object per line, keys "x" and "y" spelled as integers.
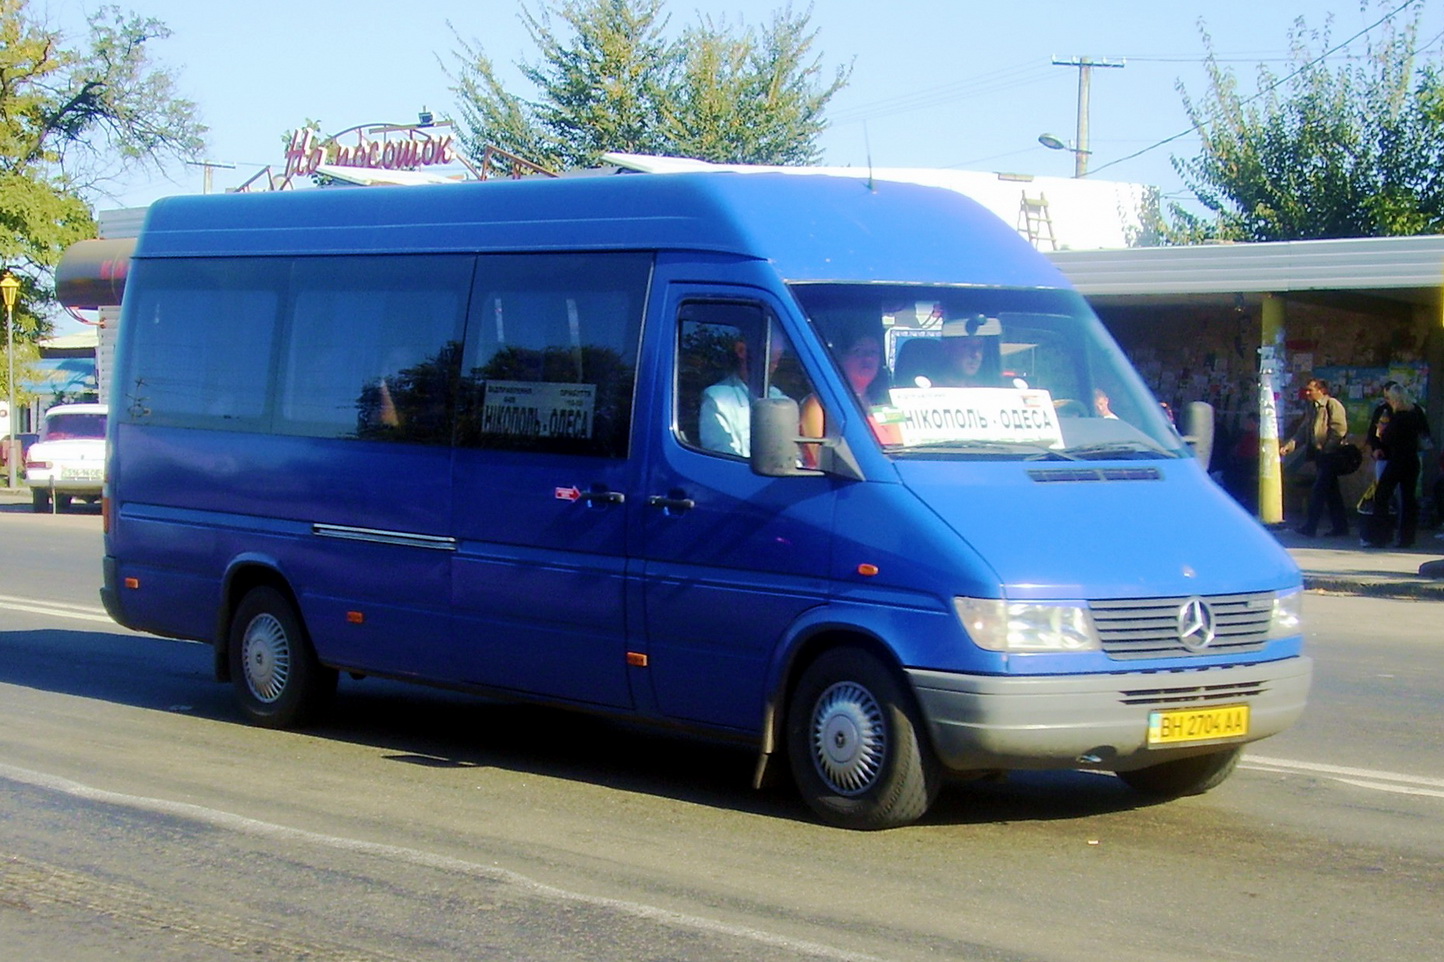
{"x": 614, "y": 81}
{"x": 1356, "y": 151}
{"x": 73, "y": 116}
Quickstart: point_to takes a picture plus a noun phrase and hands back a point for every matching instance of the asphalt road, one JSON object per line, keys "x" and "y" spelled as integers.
{"x": 140, "y": 818}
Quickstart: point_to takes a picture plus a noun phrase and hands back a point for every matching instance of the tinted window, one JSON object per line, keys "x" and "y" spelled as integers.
{"x": 200, "y": 335}
{"x": 551, "y": 352}
{"x": 371, "y": 347}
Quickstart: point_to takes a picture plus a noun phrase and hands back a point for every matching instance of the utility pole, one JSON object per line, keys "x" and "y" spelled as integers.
{"x": 210, "y": 166}
{"x": 1085, "y": 67}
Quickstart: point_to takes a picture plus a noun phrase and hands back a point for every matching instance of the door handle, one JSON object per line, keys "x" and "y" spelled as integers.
{"x": 675, "y": 503}
{"x": 602, "y": 497}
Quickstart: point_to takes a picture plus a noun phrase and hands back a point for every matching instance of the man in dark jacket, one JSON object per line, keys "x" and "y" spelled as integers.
{"x": 1322, "y": 432}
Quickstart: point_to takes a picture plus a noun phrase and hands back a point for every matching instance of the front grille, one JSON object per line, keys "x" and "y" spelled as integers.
{"x": 1183, "y": 696}
{"x": 1148, "y": 627}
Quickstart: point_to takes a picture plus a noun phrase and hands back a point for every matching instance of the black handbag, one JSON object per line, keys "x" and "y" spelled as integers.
{"x": 1346, "y": 458}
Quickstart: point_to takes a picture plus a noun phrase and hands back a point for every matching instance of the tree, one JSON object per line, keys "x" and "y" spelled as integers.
{"x": 71, "y": 118}
{"x": 1352, "y": 152}
{"x": 615, "y": 82}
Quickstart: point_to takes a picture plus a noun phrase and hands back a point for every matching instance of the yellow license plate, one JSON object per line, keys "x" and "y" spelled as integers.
{"x": 1197, "y": 724}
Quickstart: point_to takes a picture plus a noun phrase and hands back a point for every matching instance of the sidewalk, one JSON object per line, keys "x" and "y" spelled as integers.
{"x": 1340, "y": 565}
{"x": 1337, "y": 565}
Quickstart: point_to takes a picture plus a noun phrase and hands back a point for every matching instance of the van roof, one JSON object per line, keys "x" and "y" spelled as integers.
{"x": 811, "y": 228}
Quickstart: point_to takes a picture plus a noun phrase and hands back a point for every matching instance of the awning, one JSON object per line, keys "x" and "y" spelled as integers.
{"x": 61, "y": 375}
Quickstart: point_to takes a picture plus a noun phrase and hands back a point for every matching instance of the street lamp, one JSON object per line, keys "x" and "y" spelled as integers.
{"x": 1080, "y": 154}
{"x": 9, "y": 287}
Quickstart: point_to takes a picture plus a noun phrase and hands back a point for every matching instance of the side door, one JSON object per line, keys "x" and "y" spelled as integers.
{"x": 543, "y": 474}
{"x": 730, "y": 559}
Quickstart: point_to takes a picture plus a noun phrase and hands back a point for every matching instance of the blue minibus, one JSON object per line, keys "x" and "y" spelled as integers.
{"x": 840, "y": 469}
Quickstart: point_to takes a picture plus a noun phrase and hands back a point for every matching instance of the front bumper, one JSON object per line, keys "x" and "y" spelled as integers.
{"x": 981, "y": 722}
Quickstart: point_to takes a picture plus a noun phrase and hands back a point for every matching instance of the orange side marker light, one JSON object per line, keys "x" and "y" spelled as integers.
{"x": 867, "y": 570}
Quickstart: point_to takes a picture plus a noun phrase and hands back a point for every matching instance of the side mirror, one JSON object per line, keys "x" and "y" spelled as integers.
{"x": 774, "y": 438}
{"x": 1198, "y": 430}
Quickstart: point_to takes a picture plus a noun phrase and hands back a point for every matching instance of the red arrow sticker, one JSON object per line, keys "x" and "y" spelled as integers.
{"x": 568, "y": 494}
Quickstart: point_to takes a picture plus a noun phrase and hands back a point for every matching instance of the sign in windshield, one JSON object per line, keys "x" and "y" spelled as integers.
{"x": 923, "y": 416}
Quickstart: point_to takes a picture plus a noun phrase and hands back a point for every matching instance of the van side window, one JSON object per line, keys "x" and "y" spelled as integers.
{"x": 372, "y": 347}
{"x": 205, "y": 329}
{"x": 550, "y": 361}
{"x": 720, "y": 351}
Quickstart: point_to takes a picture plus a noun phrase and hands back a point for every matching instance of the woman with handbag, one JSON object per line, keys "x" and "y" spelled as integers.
{"x": 1400, "y": 438}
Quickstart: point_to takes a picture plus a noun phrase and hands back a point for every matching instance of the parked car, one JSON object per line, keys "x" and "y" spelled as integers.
{"x": 25, "y": 438}
{"x": 69, "y": 459}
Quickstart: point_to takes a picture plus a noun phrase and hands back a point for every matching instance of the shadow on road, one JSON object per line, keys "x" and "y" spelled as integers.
{"x": 414, "y": 725}
{"x": 16, "y": 504}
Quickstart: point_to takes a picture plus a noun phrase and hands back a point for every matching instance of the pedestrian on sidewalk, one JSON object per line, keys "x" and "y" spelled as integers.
{"x": 1400, "y": 439}
{"x": 1374, "y": 448}
{"x": 1321, "y": 433}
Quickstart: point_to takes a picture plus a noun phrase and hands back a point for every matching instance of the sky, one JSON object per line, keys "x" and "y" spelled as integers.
{"x": 965, "y": 84}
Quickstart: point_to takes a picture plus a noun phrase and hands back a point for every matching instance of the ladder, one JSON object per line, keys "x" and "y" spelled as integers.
{"x": 1034, "y": 222}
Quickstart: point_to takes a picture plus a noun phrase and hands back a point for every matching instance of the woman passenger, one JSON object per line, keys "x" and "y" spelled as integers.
{"x": 861, "y": 363}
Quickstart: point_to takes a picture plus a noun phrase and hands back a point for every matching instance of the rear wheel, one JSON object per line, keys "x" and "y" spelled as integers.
{"x": 1186, "y": 776}
{"x": 855, "y": 744}
{"x": 279, "y": 683}
{"x": 39, "y": 500}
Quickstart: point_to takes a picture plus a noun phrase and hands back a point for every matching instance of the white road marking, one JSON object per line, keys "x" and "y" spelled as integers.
{"x": 57, "y": 609}
{"x": 1395, "y": 782}
{"x": 270, "y": 830}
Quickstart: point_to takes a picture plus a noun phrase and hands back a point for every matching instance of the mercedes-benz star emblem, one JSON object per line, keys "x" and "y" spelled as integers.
{"x": 1195, "y": 624}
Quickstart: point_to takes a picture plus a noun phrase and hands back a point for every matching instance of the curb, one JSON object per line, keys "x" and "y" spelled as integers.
{"x": 1421, "y": 590}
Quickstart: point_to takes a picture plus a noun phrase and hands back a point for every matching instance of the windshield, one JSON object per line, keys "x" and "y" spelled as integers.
{"x": 947, "y": 372}
{"x": 60, "y": 427}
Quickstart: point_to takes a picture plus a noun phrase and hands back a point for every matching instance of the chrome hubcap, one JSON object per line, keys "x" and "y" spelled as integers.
{"x": 266, "y": 658}
{"x": 849, "y": 738}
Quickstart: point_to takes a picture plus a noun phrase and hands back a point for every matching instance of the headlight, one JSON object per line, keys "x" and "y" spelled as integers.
{"x": 1027, "y": 625}
{"x": 1288, "y": 614}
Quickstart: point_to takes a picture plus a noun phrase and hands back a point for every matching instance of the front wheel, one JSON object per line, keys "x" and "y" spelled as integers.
{"x": 855, "y": 744}
{"x": 279, "y": 683}
{"x": 1186, "y": 776}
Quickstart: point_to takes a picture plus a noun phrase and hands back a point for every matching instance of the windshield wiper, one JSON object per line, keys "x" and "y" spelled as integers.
{"x": 1093, "y": 451}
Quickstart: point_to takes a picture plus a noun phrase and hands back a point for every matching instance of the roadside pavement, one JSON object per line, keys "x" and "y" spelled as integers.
{"x": 1341, "y": 566}
{"x": 1335, "y": 565}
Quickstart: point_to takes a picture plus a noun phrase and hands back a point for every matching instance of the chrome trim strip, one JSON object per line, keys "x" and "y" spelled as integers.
{"x": 401, "y": 539}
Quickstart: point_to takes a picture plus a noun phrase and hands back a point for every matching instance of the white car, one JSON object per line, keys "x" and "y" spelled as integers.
{"x": 69, "y": 459}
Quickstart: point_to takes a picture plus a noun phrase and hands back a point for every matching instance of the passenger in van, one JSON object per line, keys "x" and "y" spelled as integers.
{"x": 1102, "y": 404}
{"x": 963, "y": 363}
{"x": 725, "y": 421}
{"x": 861, "y": 362}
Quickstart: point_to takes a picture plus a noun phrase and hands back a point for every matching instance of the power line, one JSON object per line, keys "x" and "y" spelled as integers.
{"x": 994, "y": 82}
{"x": 1270, "y": 88}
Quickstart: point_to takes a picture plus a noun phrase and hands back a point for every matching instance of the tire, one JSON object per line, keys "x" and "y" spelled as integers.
{"x": 62, "y": 502}
{"x": 279, "y": 683}
{"x": 1186, "y": 776}
{"x": 39, "y": 501}
{"x": 857, "y": 751}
